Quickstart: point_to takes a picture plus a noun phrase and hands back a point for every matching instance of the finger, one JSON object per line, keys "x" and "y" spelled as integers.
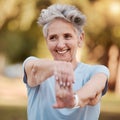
{"x": 58, "y": 78}
{"x": 57, "y": 106}
{"x": 59, "y": 75}
{"x": 57, "y": 87}
{"x": 63, "y": 76}
{"x": 60, "y": 90}
{"x": 70, "y": 80}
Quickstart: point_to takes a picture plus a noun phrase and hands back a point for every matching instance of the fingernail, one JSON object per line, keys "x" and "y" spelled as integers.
{"x": 61, "y": 83}
{"x": 64, "y": 84}
{"x": 68, "y": 83}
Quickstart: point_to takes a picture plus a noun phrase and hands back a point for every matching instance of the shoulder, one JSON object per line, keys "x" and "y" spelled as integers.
{"x": 24, "y": 63}
{"x": 29, "y": 58}
{"x": 100, "y": 69}
{"x": 85, "y": 67}
{"x": 92, "y": 69}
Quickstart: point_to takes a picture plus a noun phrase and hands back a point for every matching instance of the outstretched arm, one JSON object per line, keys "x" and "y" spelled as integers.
{"x": 89, "y": 94}
{"x": 38, "y": 70}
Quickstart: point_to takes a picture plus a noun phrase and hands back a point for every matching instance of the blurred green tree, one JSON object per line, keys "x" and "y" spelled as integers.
{"x": 19, "y": 33}
{"x": 102, "y": 29}
{"x": 20, "y": 36}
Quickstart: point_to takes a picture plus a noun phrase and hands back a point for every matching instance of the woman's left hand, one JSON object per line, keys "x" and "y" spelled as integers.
{"x": 64, "y": 96}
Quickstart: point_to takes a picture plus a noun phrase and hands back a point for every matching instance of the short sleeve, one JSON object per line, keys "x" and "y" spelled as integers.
{"x": 101, "y": 69}
{"x": 24, "y": 72}
{"x": 105, "y": 70}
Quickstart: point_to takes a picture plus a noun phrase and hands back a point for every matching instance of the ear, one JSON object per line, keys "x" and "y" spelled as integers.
{"x": 81, "y": 38}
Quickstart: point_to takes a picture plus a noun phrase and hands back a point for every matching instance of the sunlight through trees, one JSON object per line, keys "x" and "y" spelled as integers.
{"x": 21, "y": 37}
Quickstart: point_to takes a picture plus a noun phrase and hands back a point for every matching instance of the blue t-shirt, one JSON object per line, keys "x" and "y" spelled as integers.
{"x": 42, "y": 97}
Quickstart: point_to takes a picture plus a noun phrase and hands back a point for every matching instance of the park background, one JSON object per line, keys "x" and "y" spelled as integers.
{"x": 21, "y": 37}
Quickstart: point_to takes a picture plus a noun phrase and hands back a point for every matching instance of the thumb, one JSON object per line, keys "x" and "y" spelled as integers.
{"x": 55, "y": 105}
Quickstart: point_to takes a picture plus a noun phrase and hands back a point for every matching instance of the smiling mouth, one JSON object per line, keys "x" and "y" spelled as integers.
{"x": 62, "y": 51}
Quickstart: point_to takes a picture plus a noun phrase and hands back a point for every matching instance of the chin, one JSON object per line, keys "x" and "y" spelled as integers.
{"x": 63, "y": 59}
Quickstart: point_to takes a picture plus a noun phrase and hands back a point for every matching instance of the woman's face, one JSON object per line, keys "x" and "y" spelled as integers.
{"x": 62, "y": 40}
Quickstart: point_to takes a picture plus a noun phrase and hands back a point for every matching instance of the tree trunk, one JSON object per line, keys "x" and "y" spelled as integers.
{"x": 117, "y": 87}
{"x": 113, "y": 66}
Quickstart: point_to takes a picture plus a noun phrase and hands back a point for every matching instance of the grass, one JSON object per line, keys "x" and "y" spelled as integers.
{"x": 109, "y": 116}
{"x": 13, "y": 113}
{"x": 19, "y": 112}
{"x": 111, "y": 103}
{"x": 13, "y": 101}
{"x": 110, "y": 107}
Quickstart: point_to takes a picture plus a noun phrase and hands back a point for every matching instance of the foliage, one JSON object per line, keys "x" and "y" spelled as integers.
{"x": 20, "y": 36}
{"x": 19, "y": 33}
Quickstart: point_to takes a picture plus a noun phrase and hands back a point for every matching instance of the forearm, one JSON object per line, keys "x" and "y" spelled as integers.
{"x": 92, "y": 90}
{"x": 38, "y": 70}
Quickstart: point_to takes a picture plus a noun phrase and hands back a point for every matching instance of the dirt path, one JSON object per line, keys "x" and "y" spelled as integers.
{"x": 12, "y": 91}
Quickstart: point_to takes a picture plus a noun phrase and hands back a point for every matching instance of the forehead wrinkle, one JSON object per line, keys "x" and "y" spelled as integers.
{"x": 68, "y": 24}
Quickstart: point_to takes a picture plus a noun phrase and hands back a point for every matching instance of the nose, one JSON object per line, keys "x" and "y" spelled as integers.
{"x": 61, "y": 44}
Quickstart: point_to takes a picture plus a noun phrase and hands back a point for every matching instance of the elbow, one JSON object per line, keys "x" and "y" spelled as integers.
{"x": 31, "y": 71}
{"x": 95, "y": 100}
{"x": 32, "y": 76}
{"x": 31, "y": 83}
{"x": 92, "y": 100}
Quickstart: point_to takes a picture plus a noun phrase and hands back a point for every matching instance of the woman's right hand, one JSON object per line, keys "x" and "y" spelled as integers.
{"x": 38, "y": 70}
{"x": 64, "y": 73}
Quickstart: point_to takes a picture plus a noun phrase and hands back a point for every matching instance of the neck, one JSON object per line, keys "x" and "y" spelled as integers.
{"x": 74, "y": 63}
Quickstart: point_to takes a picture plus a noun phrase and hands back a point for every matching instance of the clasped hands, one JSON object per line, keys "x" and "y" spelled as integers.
{"x": 64, "y": 76}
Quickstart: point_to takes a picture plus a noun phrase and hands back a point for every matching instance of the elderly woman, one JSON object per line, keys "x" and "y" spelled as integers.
{"x": 63, "y": 88}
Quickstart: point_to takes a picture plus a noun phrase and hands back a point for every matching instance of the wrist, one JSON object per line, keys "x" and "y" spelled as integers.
{"x": 76, "y": 101}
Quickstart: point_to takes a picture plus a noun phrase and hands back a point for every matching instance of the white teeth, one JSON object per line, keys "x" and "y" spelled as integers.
{"x": 61, "y": 52}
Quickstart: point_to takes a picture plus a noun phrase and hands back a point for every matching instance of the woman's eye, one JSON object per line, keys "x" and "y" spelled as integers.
{"x": 52, "y": 38}
{"x": 67, "y": 36}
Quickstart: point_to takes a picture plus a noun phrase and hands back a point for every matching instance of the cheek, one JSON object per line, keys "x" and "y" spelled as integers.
{"x": 74, "y": 49}
{"x": 50, "y": 47}
{"x": 74, "y": 45}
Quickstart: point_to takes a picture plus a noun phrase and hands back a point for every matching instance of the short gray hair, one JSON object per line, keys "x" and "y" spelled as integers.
{"x": 68, "y": 12}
